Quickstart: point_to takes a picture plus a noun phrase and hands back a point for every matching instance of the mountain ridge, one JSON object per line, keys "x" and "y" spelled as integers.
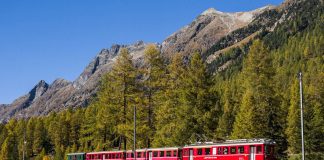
{"x": 201, "y": 34}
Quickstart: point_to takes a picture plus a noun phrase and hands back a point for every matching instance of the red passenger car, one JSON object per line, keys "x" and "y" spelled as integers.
{"x": 252, "y": 149}
{"x": 106, "y": 155}
{"x": 140, "y": 154}
{"x": 171, "y": 153}
{"x": 242, "y": 149}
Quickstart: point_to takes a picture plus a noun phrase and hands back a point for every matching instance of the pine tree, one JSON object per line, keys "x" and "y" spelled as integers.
{"x": 59, "y": 154}
{"x": 154, "y": 84}
{"x": 76, "y": 123}
{"x": 200, "y": 105}
{"x": 40, "y": 137}
{"x": 9, "y": 149}
{"x": 293, "y": 121}
{"x": 88, "y": 129}
{"x": 226, "y": 121}
{"x": 259, "y": 112}
{"x": 116, "y": 98}
{"x": 170, "y": 122}
{"x": 30, "y": 136}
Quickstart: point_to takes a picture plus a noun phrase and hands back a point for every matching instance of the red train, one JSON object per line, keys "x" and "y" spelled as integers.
{"x": 242, "y": 149}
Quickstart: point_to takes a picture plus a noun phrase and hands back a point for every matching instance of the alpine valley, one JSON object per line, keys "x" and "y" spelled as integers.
{"x": 223, "y": 76}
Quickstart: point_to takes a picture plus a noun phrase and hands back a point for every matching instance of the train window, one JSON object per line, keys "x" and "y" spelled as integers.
{"x": 185, "y": 152}
{"x": 241, "y": 149}
{"x": 174, "y": 153}
{"x": 168, "y": 153}
{"x": 225, "y": 151}
{"x": 161, "y": 153}
{"x": 139, "y": 154}
{"x": 155, "y": 154}
{"x": 233, "y": 150}
{"x": 214, "y": 151}
{"x": 267, "y": 149}
{"x": 207, "y": 151}
{"x": 199, "y": 151}
{"x": 259, "y": 149}
{"x": 219, "y": 151}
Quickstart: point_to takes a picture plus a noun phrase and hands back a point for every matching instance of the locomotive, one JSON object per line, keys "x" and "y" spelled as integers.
{"x": 241, "y": 149}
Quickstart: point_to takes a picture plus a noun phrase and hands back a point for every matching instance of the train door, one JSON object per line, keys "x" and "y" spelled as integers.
{"x": 191, "y": 155}
{"x": 150, "y": 155}
{"x": 252, "y": 152}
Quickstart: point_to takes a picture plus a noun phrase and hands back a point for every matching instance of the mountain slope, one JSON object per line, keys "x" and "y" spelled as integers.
{"x": 209, "y": 29}
{"x": 206, "y": 29}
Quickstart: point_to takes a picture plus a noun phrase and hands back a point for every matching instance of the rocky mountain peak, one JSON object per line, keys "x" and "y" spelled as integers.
{"x": 206, "y": 29}
{"x": 210, "y": 11}
{"x": 38, "y": 90}
{"x": 59, "y": 83}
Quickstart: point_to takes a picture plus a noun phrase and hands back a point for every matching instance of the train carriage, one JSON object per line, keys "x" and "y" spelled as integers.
{"x": 76, "y": 156}
{"x": 140, "y": 154}
{"x": 106, "y": 155}
{"x": 243, "y": 149}
{"x": 257, "y": 149}
{"x": 170, "y": 153}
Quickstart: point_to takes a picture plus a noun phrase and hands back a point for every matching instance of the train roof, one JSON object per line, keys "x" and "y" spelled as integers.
{"x": 233, "y": 142}
{"x": 80, "y": 153}
{"x": 138, "y": 150}
{"x": 100, "y": 152}
{"x": 165, "y": 148}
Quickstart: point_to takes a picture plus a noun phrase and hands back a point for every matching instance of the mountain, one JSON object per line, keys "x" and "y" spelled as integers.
{"x": 213, "y": 33}
{"x": 23, "y": 102}
{"x": 45, "y": 98}
{"x": 208, "y": 28}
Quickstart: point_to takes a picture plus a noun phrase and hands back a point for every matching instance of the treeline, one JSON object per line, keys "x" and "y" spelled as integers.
{"x": 180, "y": 102}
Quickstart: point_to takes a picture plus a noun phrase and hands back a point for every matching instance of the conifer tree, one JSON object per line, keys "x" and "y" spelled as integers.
{"x": 58, "y": 153}
{"x": 293, "y": 121}
{"x": 226, "y": 121}
{"x": 30, "y": 136}
{"x": 200, "y": 105}
{"x": 314, "y": 111}
{"x": 9, "y": 149}
{"x": 88, "y": 129}
{"x": 3, "y": 133}
{"x": 170, "y": 122}
{"x": 40, "y": 137}
{"x": 258, "y": 115}
{"x": 76, "y": 123}
{"x": 118, "y": 95}
{"x": 154, "y": 84}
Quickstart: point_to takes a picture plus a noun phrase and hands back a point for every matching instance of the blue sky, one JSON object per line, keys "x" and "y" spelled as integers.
{"x": 45, "y": 40}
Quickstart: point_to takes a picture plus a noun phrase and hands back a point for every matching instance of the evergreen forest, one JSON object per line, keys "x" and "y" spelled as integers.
{"x": 184, "y": 100}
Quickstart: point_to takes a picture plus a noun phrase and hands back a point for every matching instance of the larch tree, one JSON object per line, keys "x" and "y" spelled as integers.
{"x": 154, "y": 84}
{"x": 293, "y": 121}
{"x": 121, "y": 82}
{"x": 170, "y": 120}
{"x": 200, "y": 103}
{"x": 258, "y": 114}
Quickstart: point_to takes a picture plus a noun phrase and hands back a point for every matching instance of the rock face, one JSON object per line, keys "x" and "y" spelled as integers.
{"x": 206, "y": 30}
{"x": 7, "y": 111}
{"x": 44, "y": 98}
